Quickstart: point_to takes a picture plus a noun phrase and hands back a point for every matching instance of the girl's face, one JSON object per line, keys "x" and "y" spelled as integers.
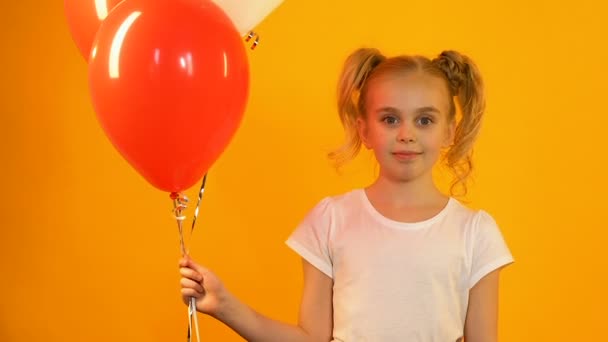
{"x": 406, "y": 123}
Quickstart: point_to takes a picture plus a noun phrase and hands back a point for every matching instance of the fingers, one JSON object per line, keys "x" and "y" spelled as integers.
{"x": 183, "y": 262}
{"x": 190, "y": 293}
{"x": 191, "y": 274}
{"x": 186, "y": 262}
{"x": 190, "y": 284}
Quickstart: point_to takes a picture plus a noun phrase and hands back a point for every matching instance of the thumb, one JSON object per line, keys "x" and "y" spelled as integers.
{"x": 198, "y": 268}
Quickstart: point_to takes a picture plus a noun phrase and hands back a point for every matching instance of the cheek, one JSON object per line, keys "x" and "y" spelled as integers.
{"x": 366, "y": 132}
{"x": 436, "y": 141}
{"x": 443, "y": 136}
{"x": 373, "y": 136}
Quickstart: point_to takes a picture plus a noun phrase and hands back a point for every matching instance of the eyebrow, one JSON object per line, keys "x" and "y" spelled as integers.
{"x": 426, "y": 109}
{"x": 387, "y": 109}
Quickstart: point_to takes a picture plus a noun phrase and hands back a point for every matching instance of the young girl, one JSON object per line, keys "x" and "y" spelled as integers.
{"x": 398, "y": 260}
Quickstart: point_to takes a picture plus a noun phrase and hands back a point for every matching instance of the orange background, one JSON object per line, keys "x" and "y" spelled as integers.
{"x": 89, "y": 250}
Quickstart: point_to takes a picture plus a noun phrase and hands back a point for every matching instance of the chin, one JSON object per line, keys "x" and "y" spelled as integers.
{"x": 402, "y": 178}
{"x": 399, "y": 176}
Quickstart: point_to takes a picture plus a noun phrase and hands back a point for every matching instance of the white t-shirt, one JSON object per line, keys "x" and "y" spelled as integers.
{"x": 395, "y": 281}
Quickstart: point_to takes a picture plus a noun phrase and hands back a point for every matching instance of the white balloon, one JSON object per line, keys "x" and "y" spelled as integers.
{"x": 247, "y": 14}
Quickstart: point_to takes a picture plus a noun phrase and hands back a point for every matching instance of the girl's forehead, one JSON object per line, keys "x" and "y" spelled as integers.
{"x": 408, "y": 91}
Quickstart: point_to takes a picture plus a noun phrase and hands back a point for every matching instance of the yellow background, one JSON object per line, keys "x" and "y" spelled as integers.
{"x": 89, "y": 251}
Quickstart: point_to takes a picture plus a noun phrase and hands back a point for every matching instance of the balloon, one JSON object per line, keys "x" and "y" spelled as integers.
{"x": 84, "y": 18}
{"x": 169, "y": 81}
{"x": 247, "y": 14}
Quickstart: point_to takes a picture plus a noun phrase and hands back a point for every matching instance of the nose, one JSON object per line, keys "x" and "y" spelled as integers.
{"x": 406, "y": 134}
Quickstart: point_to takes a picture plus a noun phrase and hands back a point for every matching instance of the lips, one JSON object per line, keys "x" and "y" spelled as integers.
{"x": 406, "y": 155}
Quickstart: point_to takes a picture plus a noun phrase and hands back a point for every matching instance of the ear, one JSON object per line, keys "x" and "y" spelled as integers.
{"x": 451, "y": 134}
{"x": 362, "y": 129}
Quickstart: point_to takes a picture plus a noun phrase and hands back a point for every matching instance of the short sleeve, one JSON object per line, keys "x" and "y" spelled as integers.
{"x": 311, "y": 237}
{"x": 489, "y": 249}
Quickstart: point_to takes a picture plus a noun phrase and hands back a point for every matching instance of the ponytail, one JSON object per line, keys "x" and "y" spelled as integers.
{"x": 355, "y": 72}
{"x": 466, "y": 84}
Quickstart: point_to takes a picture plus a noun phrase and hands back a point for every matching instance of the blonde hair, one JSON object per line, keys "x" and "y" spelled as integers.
{"x": 462, "y": 78}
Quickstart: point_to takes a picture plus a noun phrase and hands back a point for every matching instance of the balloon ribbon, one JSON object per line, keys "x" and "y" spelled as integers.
{"x": 180, "y": 203}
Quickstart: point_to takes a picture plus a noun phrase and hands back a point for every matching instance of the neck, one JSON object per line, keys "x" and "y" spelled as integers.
{"x": 415, "y": 192}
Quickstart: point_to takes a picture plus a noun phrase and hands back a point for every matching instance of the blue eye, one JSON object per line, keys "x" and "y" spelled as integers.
{"x": 390, "y": 120}
{"x": 425, "y": 121}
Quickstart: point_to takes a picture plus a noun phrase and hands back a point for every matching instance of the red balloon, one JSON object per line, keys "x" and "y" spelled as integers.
{"x": 84, "y": 18}
{"x": 169, "y": 81}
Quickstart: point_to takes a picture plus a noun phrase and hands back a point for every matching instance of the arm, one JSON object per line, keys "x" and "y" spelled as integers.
{"x": 481, "y": 324}
{"x": 316, "y": 309}
{"x": 315, "y": 320}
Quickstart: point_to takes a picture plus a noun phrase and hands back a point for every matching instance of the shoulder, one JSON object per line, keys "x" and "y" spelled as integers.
{"x": 469, "y": 217}
{"x": 338, "y": 204}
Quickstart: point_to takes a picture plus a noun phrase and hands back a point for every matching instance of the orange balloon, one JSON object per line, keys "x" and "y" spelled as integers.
{"x": 169, "y": 80}
{"x": 84, "y": 18}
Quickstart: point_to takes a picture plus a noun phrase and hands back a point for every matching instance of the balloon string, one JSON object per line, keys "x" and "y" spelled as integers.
{"x": 180, "y": 203}
{"x": 198, "y": 203}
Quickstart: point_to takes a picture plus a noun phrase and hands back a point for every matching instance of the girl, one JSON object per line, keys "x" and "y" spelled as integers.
{"x": 398, "y": 260}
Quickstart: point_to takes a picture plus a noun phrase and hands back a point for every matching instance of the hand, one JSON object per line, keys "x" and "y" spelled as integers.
{"x": 203, "y": 285}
